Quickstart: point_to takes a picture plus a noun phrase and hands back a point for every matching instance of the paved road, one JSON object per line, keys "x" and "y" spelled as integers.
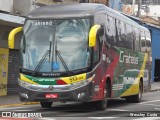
{"x": 117, "y": 109}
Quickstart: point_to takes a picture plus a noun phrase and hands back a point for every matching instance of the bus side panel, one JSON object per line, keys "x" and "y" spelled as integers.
{"x": 125, "y": 70}
{"x": 135, "y": 69}
{"x": 98, "y": 83}
{"x": 112, "y": 70}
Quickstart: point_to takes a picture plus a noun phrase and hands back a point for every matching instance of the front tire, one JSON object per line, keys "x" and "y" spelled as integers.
{"x": 102, "y": 104}
{"x": 46, "y": 104}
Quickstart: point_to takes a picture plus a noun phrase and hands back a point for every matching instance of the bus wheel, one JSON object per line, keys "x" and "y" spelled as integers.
{"x": 102, "y": 104}
{"x": 46, "y": 104}
{"x": 136, "y": 98}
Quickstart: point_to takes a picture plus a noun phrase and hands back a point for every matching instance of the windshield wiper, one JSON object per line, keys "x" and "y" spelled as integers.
{"x": 42, "y": 60}
{"x": 62, "y": 60}
{"x": 56, "y": 52}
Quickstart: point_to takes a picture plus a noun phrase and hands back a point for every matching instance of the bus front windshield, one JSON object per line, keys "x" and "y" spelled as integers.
{"x": 55, "y": 45}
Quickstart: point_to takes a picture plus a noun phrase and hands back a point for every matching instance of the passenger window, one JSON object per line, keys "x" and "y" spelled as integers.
{"x": 118, "y": 26}
{"x": 96, "y": 51}
{"x": 129, "y": 41}
{"x": 121, "y": 33}
{"x": 137, "y": 36}
{"x": 148, "y": 41}
{"x": 143, "y": 41}
{"x": 110, "y": 30}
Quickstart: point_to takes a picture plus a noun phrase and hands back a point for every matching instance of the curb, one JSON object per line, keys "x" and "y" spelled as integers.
{"x": 19, "y": 104}
{"x": 154, "y": 90}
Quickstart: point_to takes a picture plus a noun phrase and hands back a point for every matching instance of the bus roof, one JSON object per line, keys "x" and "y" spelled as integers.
{"x": 66, "y": 10}
{"x": 76, "y": 10}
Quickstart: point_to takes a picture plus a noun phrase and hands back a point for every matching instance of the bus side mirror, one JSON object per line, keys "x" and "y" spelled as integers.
{"x": 93, "y": 35}
{"x": 11, "y": 36}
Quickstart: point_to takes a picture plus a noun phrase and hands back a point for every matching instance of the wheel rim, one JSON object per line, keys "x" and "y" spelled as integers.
{"x": 105, "y": 98}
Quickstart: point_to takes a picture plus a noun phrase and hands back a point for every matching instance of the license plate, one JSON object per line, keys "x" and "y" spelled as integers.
{"x": 51, "y": 95}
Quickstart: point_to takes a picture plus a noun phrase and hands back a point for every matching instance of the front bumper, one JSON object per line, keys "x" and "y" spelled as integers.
{"x": 71, "y": 95}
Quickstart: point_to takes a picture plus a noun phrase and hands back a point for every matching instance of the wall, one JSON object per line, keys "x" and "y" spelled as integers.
{"x": 128, "y": 9}
{"x": 105, "y": 2}
{"x": 46, "y": 2}
{"x": 4, "y": 32}
{"x": 3, "y": 71}
{"x": 49, "y": 2}
{"x": 23, "y": 7}
{"x": 147, "y": 19}
{"x": 6, "y": 5}
{"x": 155, "y": 46}
{"x": 154, "y": 10}
{"x": 115, "y": 4}
{"x": 132, "y": 9}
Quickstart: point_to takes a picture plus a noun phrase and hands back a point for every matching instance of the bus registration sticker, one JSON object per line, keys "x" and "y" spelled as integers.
{"x": 51, "y": 95}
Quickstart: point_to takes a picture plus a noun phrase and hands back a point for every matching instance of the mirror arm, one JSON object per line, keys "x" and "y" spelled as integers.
{"x": 93, "y": 35}
{"x": 11, "y": 37}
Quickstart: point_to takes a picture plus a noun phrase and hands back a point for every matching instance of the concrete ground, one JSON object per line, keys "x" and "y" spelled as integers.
{"x": 155, "y": 86}
{"x": 13, "y": 100}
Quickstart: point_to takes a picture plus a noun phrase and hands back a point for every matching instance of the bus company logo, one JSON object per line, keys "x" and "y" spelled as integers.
{"x": 128, "y": 58}
{"x": 51, "y": 87}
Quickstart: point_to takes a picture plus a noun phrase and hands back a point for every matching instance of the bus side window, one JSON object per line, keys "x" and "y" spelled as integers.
{"x": 134, "y": 37}
{"x": 143, "y": 42}
{"x": 107, "y": 27}
{"x": 118, "y": 28}
{"x": 137, "y": 42}
{"x": 148, "y": 41}
{"x": 110, "y": 30}
{"x": 121, "y": 33}
{"x": 129, "y": 41}
{"x": 96, "y": 56}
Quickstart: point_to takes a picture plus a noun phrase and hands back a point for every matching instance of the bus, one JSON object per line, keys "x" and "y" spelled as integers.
{"x": 82, "y": 52}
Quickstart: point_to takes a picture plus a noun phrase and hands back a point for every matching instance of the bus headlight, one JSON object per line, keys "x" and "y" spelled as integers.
{"x": 81, "y": 83}
{"x": 24, "y": 84}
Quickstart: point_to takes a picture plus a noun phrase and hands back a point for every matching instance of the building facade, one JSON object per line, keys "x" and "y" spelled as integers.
{"x": 155, "y": 30}
{"x": 147, "y": 7}
{"x": 8, "y": 58}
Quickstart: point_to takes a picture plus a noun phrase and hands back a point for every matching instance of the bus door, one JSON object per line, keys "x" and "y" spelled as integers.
{"x": 96, "y": 43}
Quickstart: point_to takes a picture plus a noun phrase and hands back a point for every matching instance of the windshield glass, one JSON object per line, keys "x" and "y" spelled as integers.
{"x": 55, "y": 45}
